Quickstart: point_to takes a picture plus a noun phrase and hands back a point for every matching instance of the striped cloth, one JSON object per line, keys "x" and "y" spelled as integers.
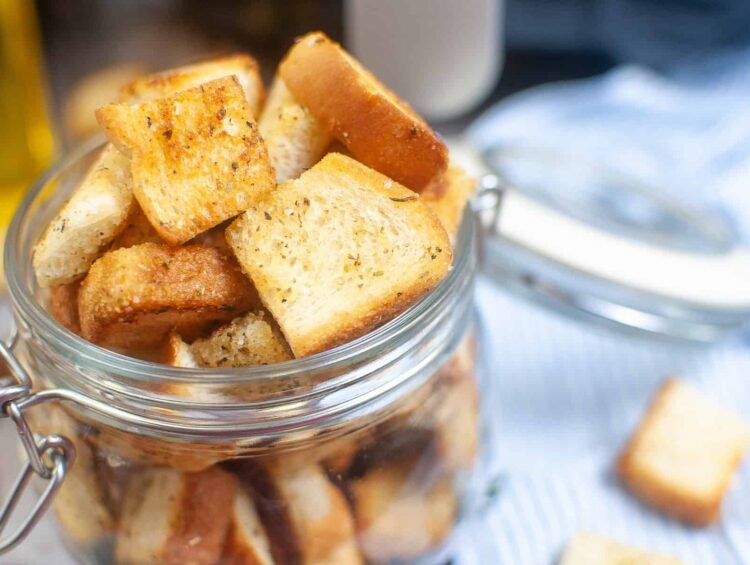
{"x": 568, "y": 394}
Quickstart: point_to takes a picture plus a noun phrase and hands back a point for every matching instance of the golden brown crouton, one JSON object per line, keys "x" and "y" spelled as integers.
{"x": 197, "y": 157}
{"x": 63, "y": 305}
{"x": 176, "y": 518}
{"x": 247, "y": 542}
{"x": 83, "y": 228}
{"x": 684, "y": 453}
{"x": 164, "y": 83}
{"x": 400, "y": 515}
{"x": 447, "y": 196}
{"x": 339, "y": 251}
{"x": 137, "y": 230}
{"x": 177, "y": 353}
{"x": 135, "y": 296}
{"x": 591, "y": 549}
{"x": 379, "y": 129}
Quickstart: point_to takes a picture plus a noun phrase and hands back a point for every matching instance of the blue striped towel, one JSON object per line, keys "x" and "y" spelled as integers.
{"x": 569, "y": 394}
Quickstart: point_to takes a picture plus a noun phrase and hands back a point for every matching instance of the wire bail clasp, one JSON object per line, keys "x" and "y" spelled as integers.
{"x": 50, "y": 457}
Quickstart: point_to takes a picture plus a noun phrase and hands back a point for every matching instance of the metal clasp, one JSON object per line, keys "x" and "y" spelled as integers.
{"x": 50, "y": 457}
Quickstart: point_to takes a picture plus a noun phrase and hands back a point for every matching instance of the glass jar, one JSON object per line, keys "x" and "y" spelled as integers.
{"x": 371, "y": 452}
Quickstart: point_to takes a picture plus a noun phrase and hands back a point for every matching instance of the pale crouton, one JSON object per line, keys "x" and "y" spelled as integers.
{"x": 164, "y": 83}
{"x": 135, "y": 296}
{"x": 173, "y": 517}
{"x": 81, "y": 503}
{"x": 197, "y": 157}
{"x": 294, "y": 138}
{"x": 94, "y": 91}
{"x": 248, "y": 341}
{"x": 83, "y": 228}
{"x": 307, "y": 518}
{"x": 177, "y": 353}
{"x": 448, "y": 195}
{"x": 137, "y": 230}
{"x": 684, "y": 453}
{"x": 338, "y": 252}
{"x": 379, "y": 129}
{"x": 399, "y": 515}
{"x": 63, "y": 305}
{"x": 591, "y": 549}
{"x": 247, "y": 542}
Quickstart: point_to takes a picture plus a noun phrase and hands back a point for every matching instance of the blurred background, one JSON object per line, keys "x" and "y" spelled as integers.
{"x": 653, "y": 91}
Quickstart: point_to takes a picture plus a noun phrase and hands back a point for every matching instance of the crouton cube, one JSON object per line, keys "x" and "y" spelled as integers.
{"x": 63, "y": 305}
{"x": 83, "y": 228}
{"x": 684, "y": 453}
{"x": 379, "y": 129}
{"x": 164, "y": 83}
{"x": 133, "y": 297}
{"x": 247, "y": 543}
{"x": 177, "y": 353}
{"x": 448, "y": 195}
{"x": 294, "y": 138}
{"x": 590, "y": 549}
{"x": 399, "y": 515}
{"x": 339, "y": 251}
{"x": 197, "y": 157}
{"x": 174, "y": 517}
{"x": 248, "y": 341}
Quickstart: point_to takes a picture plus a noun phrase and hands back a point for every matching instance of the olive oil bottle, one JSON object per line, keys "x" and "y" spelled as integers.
{"x": 26, "y": 140}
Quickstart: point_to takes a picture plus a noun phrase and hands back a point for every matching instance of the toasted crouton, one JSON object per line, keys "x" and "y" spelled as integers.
{"x": 135, "y": 296}
{"x": 164, "y": 83}
{"x": 591, "y": 549}
{"x": 399, "y": 516}
{"x": 247, "y": 543}
{"x": 379, "y": 129}
{"x": 197, "y": 157}
{"x": 684, "y": 453}
{"x": 81, "y": 503}
{"x": 447, "y": 196}
{"x": 338, "y": 252}
{"x": 307, "y": 518}
{"x": 93, "y": 91}
{"x": 137, "y": 230}
{"x": 177, "y": 353}
{"x": 294, "y": 138}
{"x": 248, "y": 341}
{"x": 83, "y": 228}
{"x": 173, "y": 517}
{"x": 63, "y": 305}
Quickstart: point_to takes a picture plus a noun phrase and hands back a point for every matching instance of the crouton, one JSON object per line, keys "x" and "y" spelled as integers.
{"x": 63, "y": 305}
{"x": 133, "y": 297}
{"x": 137, "y": 230}
{"x": 684, "y": 453}
{"x": 379, "y": 129}
{"x": 306, "y": 516}
{"x": 447, "y": 197}
{"x": 248, "y": 341}
{"x": 173, "y": 517}
{"x": 164, "y": 83}
{"x": 81, "y": 503}
{"x": 294, "y": 138}
{"x": 399, "y": 515}
{"x": 383, "y": 250}
{"x": 93, "y": 91}
{"x": 83, "y": 228}
{"x": 591, "y": 549}
{"x": 247, "y": 542}
{"x": 197, "y": 157}
{"x": 177, "y": 353}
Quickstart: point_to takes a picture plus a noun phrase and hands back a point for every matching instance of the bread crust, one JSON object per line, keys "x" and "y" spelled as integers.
{"x": 378, "y": 128}
{"x": 135, "y": 296}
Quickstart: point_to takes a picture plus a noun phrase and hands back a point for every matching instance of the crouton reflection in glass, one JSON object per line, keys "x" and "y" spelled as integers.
{"x": 26, "y": 145}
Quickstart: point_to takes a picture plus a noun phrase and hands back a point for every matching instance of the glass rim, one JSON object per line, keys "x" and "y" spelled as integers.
{"x": 17, "y": 259}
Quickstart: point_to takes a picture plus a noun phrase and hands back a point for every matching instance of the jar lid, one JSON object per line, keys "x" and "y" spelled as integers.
{"x": 584, "y": 239}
